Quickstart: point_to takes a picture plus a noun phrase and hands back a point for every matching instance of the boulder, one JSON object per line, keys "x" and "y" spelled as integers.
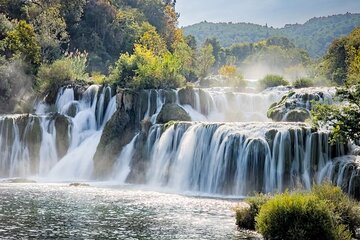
{"x": 172, "y": 112}
{"x": 297, "y": 115}
{"x": 187, "y": 96}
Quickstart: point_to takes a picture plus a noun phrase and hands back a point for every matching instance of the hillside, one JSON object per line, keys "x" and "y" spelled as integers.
{"x": 315, "y": 35}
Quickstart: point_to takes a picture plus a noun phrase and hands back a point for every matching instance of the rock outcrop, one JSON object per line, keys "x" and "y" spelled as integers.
{"x": 172, "y": 112}
{"x": 296, "y": 106}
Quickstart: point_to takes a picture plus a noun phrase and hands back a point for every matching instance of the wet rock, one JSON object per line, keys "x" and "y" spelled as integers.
{"x": 169, "y": 96}
{"x": 79, "y": 185}
{"x": 172, "y": 112}
{"x": 296, "y": 106}
{"x": 62, "y": 126}
{"x": 187, "y": 96}
{"x": 78, "y": 86}
{"x": 118, "y": 132}
{"x": 297, "y": 115}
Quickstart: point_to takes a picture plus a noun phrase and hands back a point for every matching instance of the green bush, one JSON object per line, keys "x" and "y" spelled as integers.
{"x": 245, "y": 216}
{"x": 272, "y": 81}
{"x": 303, "y": 83}
{"x": 346, "y": 209}
{"x": 299, "y": 216}
{"x": 70, "y": 68}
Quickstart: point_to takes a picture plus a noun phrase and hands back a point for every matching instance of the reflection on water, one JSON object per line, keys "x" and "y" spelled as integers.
{"x": 59, "y": 211}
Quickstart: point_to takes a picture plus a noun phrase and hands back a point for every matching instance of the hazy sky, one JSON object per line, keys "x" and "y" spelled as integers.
{"x": 273, "y": 12}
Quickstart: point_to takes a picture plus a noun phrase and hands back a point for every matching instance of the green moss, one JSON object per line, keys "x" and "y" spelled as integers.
{"x": 168, "y": 125}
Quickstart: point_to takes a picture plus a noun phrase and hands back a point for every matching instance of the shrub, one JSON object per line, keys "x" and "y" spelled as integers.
{"x": 299, "y": 216}
{"x": 70, "y": 68}
{"x": 304, "y": 83}
{"x": 272, "y": 81}
{"x": 245, "y": 216}
{"x": 345, "y": 208}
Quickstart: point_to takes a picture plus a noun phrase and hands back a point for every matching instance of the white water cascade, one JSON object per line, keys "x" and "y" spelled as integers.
{"x": 30, "y": 144}
{"x": 230, "y": 147}
{"x": 237, "y": 158}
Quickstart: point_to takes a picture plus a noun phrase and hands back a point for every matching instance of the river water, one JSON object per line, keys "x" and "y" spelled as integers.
{"x": 46, "y": 211}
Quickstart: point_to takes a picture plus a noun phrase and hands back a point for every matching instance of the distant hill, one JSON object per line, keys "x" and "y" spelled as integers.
{"x": 315, "y": 35}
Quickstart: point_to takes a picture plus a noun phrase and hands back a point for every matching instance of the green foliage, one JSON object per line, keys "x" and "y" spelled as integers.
{"x": 303, "y": 83}
{"x": 22, "y": 40}
{"x": 315, "y": 35}
{"x": 343, "y": 119}
{"x": 231, "y": 76}
{"x": 346, "y": 209}
{"x": 245, "y": 216}
{"x": 70, "y": 68}
{"x": 205, "y": 60}
{"x": 298, "y": 216}
{"x": 51, "y": 31}
{"x": 324, "y": 213}
{"x": 272, "y": 81}
{"x": 341, "y": 64}
{"x": 151, "y": 65}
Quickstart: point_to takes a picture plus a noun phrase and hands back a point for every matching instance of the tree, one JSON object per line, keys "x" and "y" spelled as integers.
{"x": 217, "y": 50}
{"x": 22, "y": 40}
{"x": 153, "y": 42}
{"x": 343, "y": 118}
{"x": 354, "y": 68}
{"x": 340, "y": 63}
{"x": 51, "y": 31}
{"x": 205, "y": 60}
{"x": 232, "y": 77}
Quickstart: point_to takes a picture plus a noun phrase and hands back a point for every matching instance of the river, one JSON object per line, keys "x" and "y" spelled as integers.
{"x": 45, "y": 211}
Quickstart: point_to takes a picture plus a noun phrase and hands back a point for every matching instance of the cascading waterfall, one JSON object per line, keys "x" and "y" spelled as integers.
{"x": 231, "y": 150}
{"x": 30, "y": 144}
{"x": 237, "y": 158}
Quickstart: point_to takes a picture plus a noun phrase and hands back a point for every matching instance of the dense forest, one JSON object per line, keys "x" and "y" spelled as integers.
{"x": 315, "y": 35}
{"x": 46, "y": 43}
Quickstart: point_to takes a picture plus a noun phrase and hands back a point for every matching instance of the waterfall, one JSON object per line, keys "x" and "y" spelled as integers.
{"x": 237, "y": 158}
{"x": 59, "y": 141}
{"x": 230, "y": 147}
{"x": 215, "y": 104}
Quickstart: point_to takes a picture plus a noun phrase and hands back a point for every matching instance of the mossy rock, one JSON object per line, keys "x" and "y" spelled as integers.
{"x": 297, "y": 115}
{"x": 275, "y": 114}
{"x": 172, "y": 112}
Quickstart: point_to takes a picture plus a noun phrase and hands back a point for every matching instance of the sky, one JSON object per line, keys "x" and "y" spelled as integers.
{"x": 275, "y": 13}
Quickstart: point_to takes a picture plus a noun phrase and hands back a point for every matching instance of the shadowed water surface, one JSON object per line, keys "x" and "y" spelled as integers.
{"x": 45, "y": 211}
